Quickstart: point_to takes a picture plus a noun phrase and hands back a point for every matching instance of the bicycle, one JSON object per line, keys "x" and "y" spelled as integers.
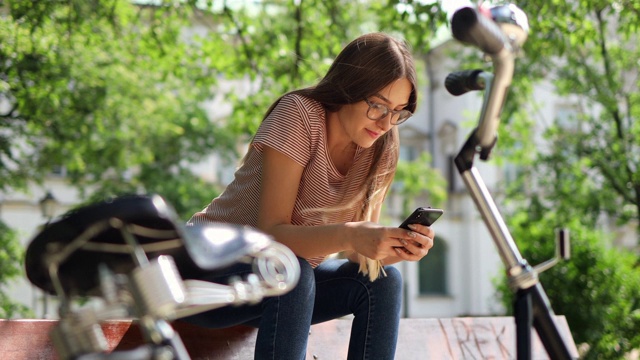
{"x": 135, "y": 260}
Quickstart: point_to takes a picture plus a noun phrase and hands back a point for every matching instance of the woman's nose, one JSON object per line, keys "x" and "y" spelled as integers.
{"x": 385, "y": 122}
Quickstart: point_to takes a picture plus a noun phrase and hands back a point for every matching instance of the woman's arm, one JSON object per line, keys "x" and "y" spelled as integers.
{"x": 281, "y": 177}
{"x": 280, "y": 182}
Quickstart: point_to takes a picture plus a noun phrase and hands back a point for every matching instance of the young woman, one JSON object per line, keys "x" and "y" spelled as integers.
{"x": 314, "y": 178}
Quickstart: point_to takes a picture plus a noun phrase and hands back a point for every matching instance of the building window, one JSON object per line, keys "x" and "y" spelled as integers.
{"x": 432, "y": 270}
{"x": 58, "y": 170}
{"x": 566, "y": 117}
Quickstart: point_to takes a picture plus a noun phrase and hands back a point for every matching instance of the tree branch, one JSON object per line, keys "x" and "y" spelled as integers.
{"x": 608, "y": 72}
{"x": 605, "y": 166}
{"x": 298, "y": 46}
{"x": 244, "y": 45}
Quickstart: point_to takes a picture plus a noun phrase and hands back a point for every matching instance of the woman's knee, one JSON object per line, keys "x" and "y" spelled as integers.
{"x": 393, "y": 279}
{"x": 306, "y": 282}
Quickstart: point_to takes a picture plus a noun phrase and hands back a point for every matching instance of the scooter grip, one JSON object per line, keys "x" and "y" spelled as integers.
{"x": 469, "y": 26}
{"x": 460, "y": 82}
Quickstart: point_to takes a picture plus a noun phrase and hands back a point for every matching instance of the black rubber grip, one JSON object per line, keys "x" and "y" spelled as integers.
{"x": 460, "y": 82}
{"x": 471, "y": 27}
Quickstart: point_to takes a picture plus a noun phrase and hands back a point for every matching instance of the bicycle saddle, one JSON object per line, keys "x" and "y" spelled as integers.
{"x": 71, "y": 248}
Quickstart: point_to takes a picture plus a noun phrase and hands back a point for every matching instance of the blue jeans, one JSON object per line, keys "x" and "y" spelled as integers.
{"x": 332, "y": 290}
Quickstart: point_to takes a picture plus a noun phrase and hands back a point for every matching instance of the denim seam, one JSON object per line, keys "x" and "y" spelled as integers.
{"x": 275, "y": 329}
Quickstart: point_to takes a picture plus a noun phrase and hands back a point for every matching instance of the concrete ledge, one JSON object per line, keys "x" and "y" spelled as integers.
{"x": 448, "y": 338}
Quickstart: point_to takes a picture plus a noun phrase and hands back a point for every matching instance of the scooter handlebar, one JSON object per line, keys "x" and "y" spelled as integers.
{"x": 470, "y": 26}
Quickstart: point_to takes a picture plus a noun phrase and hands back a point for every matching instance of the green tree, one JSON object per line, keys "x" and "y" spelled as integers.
{"x": 413, "y": 178}
{"x": 109, "y": 91}
{"x": 10, "y": 268}
{"x": 588, "y": 49}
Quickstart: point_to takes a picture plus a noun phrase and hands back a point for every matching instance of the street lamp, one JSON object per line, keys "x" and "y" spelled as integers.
{"x": 48, "y": 205}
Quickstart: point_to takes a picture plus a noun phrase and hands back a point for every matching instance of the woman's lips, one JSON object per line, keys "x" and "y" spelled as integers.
{"x": 373, "y": 134}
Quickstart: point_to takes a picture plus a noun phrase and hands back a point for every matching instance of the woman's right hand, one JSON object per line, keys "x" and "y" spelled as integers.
{"x": 374, "y": 240}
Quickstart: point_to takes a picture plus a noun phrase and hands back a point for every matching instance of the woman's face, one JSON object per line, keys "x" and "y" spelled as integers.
{"x": 363, "y": 131}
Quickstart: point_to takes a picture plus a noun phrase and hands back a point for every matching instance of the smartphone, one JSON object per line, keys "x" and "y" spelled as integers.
{"x": 423, "y": 216}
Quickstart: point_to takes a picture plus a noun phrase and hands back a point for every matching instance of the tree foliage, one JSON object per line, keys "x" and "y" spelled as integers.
{"x": 413, "y": 177}
{"x": 10, "y": 268}
{"x": 597, "y": 290}
{"x": 589, "y": 50}
{"x": 112, "y": 90}
{"x": 107, "y": 90}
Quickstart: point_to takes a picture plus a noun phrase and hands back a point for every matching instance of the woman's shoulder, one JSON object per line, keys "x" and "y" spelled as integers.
{"x": 303, "y": 103}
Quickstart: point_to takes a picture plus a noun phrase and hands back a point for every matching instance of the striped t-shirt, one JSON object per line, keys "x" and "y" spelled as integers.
{"x": 297, "y": 128}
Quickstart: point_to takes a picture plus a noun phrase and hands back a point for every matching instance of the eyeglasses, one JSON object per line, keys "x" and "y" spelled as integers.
{"x": 380, "y": 111}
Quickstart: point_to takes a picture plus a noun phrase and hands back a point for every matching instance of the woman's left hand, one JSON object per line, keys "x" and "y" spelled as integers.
{"x": 415, "y": 243}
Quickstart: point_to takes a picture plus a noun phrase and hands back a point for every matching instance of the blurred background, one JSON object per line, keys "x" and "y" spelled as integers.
{"x": 100, "y": 98}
